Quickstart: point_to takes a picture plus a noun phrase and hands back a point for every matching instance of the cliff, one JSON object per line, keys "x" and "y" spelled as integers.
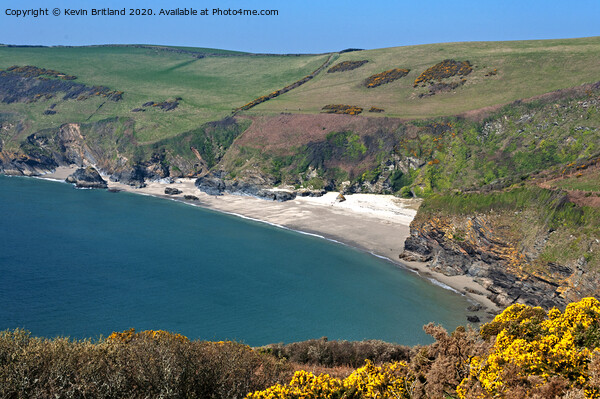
{"x": 527, "y": 245}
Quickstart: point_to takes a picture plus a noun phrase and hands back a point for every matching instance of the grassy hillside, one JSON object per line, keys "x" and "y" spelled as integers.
{"x": 209, "y": 87}
{"x": 523, "y": 69}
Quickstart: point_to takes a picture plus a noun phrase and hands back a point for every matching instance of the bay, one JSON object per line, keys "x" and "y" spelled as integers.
{"x": 85, "y": 263}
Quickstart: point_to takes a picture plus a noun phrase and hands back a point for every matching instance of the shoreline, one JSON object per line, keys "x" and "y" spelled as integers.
{"x": 373, "y": 223}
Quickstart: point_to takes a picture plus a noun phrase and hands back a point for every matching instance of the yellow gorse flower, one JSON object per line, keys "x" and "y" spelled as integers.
{"x": 369, "y": 382}
{"x": 561, "y": 343}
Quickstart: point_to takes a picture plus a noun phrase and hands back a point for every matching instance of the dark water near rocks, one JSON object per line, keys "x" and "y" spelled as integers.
{"x": 84, "y": 263}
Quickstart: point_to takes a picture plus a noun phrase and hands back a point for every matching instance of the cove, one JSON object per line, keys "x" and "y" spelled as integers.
{"x": 85, "y": 263}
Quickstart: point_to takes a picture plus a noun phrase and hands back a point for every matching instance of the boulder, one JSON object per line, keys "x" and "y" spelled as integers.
{"x": 172, "y": 191}
{"x": 87, "y": 178}
{"x": 276, "y": 195}
{"x": 311, "y": 193}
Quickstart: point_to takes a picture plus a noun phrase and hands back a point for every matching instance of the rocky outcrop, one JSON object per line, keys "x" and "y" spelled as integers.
{"x": 211, "y": 185}
{"x": 276, "y": 195}
{"x": 87, "y": 178}
{"x": 172, "y": 191}
{"x": 133, "y": 177}
{"x": 311, "y": 193}
{"x": 255, "y": 186}
{"x": 484, "y": 247}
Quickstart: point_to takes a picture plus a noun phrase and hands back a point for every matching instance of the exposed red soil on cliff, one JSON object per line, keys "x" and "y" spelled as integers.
{"x": 284, "y": 132}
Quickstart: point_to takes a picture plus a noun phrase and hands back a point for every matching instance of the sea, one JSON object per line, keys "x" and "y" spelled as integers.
{"x": 85, "y": 263}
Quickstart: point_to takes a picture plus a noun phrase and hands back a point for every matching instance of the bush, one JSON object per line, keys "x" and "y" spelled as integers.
{"x": 132, "y": 365}
{"x": 341, "y": 109}
{"x": 338, "y": 353}
{"x": 444, "y": 69}
{"x": 346, "y": 66}
{"x": 385, "y": 77}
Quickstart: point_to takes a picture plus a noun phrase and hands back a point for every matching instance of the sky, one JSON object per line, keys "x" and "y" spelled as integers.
{"x": 301, "y": 26}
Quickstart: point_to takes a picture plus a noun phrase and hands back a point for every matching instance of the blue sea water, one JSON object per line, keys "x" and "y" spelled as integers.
{"x": 85, "y": 263}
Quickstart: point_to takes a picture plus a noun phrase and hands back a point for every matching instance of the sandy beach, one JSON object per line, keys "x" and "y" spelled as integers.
{"x": 374, "y": 223}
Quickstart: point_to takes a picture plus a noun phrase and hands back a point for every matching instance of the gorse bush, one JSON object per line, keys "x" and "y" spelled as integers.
{"x": 369, "y": 381}
{"x": 524, "y": 352}
{"x": 385, "y": 77}
{"x": 536, "y": 351}
{"x": 341, "y": 109}
{"x": 445, "y": 69}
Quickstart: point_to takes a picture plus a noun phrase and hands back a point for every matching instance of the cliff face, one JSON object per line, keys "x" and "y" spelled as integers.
{"x": 111, "y": 146}
{"x": 506, "y": 252}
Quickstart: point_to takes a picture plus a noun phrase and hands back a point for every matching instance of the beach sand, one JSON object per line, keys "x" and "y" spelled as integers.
{"x": 374, "y": 223}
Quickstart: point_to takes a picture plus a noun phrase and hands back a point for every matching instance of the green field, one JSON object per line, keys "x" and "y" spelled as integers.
{"x": 525, "y": 69}
{"x": 210, "y": 87}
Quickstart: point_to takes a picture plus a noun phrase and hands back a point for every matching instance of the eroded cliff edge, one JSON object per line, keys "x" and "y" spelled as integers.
{"x": 526, "y": 244}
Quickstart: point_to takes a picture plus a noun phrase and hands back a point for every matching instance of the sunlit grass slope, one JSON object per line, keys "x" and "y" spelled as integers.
{"x": 210, "y": 87}
{"x": 524, "y": 69}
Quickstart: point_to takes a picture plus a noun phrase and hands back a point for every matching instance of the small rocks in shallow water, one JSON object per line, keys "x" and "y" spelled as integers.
{"x": 191, "y": 197}
{"x": 172, "y": 191}
{"x": 473, "y": 319}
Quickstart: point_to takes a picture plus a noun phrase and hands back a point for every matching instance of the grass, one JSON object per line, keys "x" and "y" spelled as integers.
{"x": 210, "y": 87}
{"x": 587, "y": 182}
{"x": 525, "y": 69}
